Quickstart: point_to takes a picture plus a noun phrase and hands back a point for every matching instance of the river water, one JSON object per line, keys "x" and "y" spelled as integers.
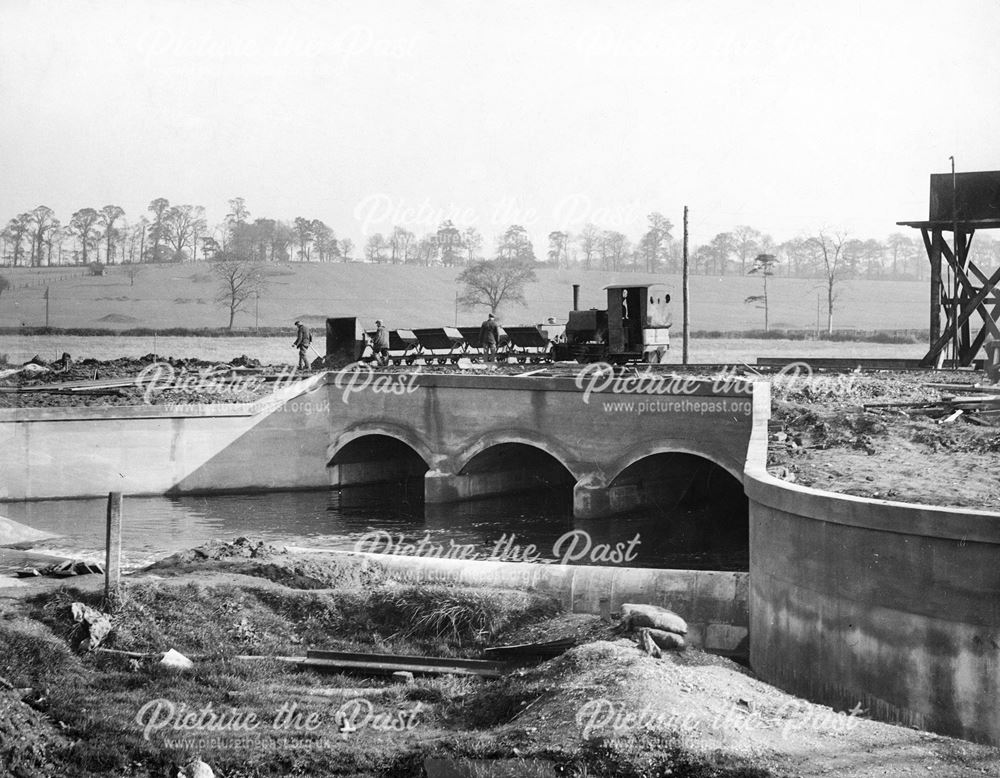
{"x": 394, "y": 519}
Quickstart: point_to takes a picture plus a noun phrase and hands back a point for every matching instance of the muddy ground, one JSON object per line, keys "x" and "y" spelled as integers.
{"x": 604, "y": 707}
{"x": 888, "y": 435}
{"x": 151, "y": 379}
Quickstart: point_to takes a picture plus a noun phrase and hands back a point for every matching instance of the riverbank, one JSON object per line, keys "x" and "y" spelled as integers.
{"x": 604, "y": 707}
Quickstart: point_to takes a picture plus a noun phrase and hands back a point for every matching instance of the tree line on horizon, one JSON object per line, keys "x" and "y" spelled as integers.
{"x": 180, "y": 233}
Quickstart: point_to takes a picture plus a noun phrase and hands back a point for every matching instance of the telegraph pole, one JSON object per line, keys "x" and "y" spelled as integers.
{"x": 46, "y": 307}
{"x": 684, "y": 293}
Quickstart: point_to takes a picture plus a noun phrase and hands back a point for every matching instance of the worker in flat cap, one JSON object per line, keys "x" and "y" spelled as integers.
{"x": 489, "y": 337}
{"x": 303, "y": 339}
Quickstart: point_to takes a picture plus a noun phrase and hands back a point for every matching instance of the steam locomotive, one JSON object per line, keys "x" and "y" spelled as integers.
{"x": 635, "y": 327}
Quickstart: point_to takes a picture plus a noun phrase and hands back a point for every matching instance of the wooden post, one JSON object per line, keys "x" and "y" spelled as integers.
{"x": 684, "y": 294}
{"x": 113, "y": 546}
{"x": 934, "y": 254}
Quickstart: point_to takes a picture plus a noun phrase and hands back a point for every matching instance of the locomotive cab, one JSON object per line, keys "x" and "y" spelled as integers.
{"x": 639, "y": 322}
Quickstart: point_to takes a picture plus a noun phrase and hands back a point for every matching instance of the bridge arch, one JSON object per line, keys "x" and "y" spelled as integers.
{"x": 635, "y": 455}
{"x": 369, "y": 454}
{"x": 522, "y": 437}
{"x": 399, "y": 432}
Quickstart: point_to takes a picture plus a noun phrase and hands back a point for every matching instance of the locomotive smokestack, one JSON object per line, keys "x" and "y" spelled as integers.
{"x": 576, "y": 297}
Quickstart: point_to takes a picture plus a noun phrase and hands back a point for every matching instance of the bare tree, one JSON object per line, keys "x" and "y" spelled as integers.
{"x": 325, "y": 240}
{"x": 239, "y": 281}
{"x": 109, "y": 215}
{"x": 614, "y": 248}
{"x": 16, "y": 231}
{"x": 346, "y": 247}
{"x": 472, "y": 241}
{"x": 375, "y": 249}
{"x": 590, "y": 241}
{"x": 449, "y": 244}
{"x": 133, "y": 271}
{"x": 746, "y": 241}
{"x": 515, "y": 245}
{"x": 304, "y": 235}
{"x": 401, "y": 245}
{"x": 558, "y": 241}
{"x": 763, "y": 264}
{"x": 831, "y": 248}
{"x": 42, "y": 222}
{"x": 494, "y": 282}
{"x": 84, "y": 225}
{"x": 183, "y": 225}
{"x": 158, "y": 228}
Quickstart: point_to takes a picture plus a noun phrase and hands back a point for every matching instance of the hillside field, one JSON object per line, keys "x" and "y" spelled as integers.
{"x": 165, "y": 296}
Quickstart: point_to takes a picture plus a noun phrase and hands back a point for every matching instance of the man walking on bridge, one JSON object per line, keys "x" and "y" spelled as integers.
{"x": 303, "y": 339}
{"x": 489, "y": 337}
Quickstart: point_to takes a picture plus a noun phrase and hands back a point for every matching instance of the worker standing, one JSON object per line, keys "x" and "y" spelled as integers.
{"x": 303, "y": 339}
{"x": 489, "y": 337}
{"x": 380, "y": 344}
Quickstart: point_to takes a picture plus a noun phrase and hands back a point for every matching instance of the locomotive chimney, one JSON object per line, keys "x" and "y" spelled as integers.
{"x": 576, "y": 297}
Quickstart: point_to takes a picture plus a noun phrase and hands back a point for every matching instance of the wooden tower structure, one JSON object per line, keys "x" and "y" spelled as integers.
{"x": 960, "y": 204}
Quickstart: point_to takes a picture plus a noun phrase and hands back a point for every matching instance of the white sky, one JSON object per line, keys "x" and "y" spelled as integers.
{"x": 788, "y": 116}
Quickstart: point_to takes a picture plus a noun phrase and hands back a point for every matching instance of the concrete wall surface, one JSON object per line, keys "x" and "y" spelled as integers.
{"x": 278, "y": 442}
{"x": 713, "y": 603}
{"x": 893, "y": 605}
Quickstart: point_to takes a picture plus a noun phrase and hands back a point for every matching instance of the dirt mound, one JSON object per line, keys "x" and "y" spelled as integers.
{"x": 692, "y": 713}
{"x": 261, "y": 560}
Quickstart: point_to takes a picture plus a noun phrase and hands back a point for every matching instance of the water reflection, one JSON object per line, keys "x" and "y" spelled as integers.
{"x": 703, "y": 536}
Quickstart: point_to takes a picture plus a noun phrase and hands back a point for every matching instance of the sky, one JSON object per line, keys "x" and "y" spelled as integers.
{"x": 787, "y": 116}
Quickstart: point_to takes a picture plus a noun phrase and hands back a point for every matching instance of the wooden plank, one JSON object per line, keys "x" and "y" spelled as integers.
{"x": 390, "y": 663}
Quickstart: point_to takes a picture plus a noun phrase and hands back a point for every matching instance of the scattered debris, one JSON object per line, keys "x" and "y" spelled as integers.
{"x": 177, "y": 660}
{"x": 65, "y": 569}
{"x": 92, "y": 627}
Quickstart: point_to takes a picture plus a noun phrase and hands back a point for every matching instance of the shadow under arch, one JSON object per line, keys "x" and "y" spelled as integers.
{"x": 364, "y": 460}
{"x": 397, "y": 432}
{"x": 528, "y": 440}
{"x": 688, "y": 506}
{"x": 614, "y": 471}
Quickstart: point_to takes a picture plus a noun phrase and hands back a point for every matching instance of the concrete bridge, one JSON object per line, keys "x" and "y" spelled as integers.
{"x": 620, "y": 441}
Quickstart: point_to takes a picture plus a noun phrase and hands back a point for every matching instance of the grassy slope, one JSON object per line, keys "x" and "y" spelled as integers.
{"x": 182, "y": 295}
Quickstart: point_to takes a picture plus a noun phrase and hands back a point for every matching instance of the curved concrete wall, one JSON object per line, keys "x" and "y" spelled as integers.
{"x": 893, "y": 605}
{"x": 713, "y": 603}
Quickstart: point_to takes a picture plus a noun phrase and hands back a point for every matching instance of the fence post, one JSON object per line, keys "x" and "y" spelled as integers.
{"x": 112, "y": 566}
